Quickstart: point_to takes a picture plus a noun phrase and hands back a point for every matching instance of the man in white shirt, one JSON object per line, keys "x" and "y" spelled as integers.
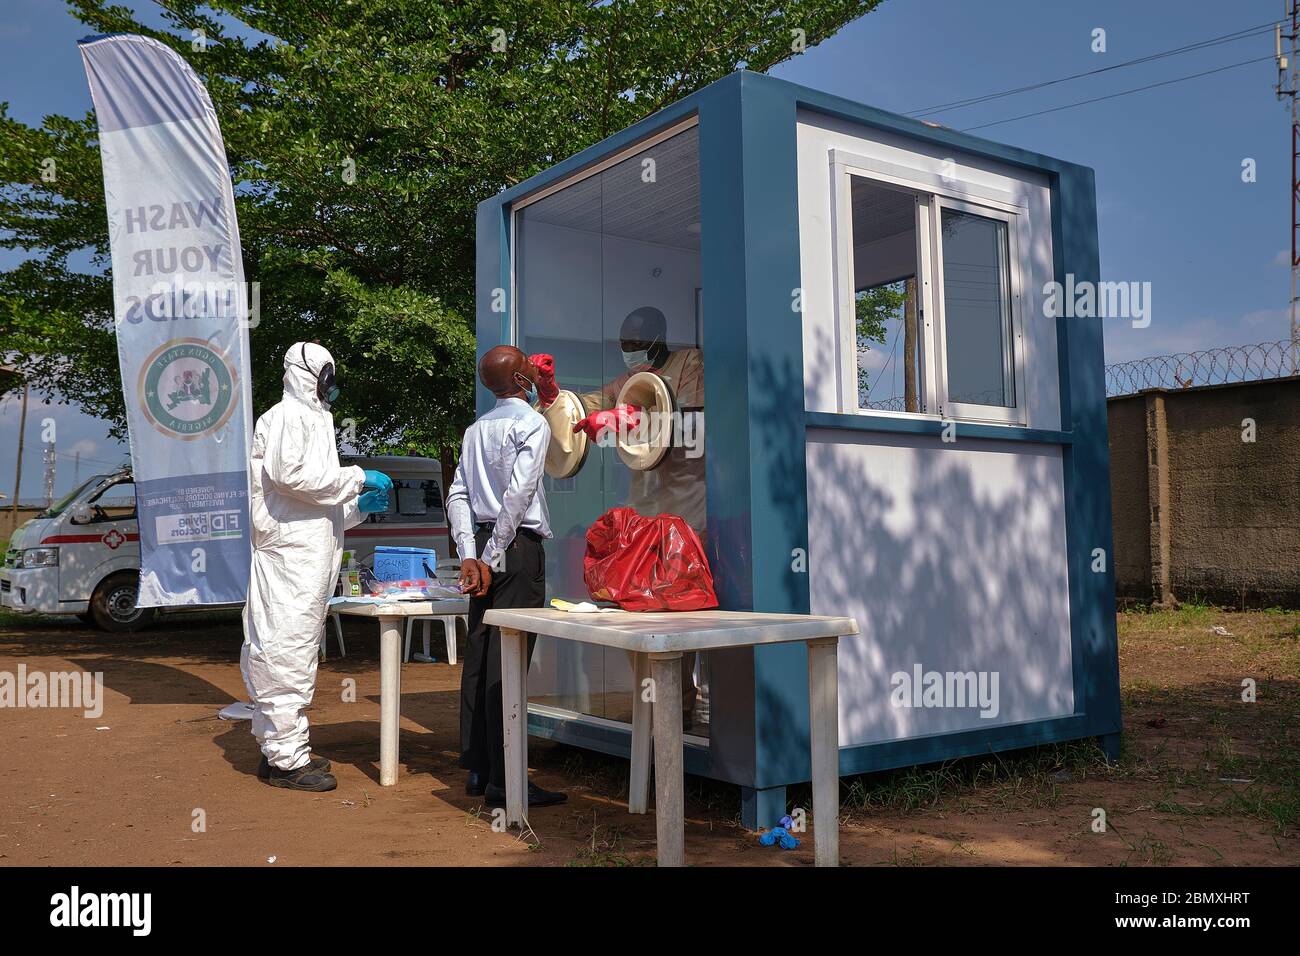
{"x": 497, "y": 512}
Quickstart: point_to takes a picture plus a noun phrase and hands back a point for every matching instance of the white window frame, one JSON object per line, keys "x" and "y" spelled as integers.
{"x": 970, "y": 411}
{"x": 935, "y": 192}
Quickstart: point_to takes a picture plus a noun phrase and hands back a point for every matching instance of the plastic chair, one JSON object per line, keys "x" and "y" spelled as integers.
{"x": 338, "y": 633}
{"x": 448, "y": 569}
{"x": 449, "y": 629}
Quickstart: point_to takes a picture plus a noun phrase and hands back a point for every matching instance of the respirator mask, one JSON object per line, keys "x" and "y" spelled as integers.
{"x": 326, "y": 388}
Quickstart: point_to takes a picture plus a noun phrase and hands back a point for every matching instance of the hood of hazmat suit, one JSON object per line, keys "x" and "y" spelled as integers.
{"x": 301, "y": 501}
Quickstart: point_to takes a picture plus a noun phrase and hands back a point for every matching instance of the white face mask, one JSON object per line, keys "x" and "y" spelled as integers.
{"x": 639, "y": 358}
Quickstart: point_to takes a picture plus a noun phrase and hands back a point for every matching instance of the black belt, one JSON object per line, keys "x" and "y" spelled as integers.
{"x": 490, "y": 525}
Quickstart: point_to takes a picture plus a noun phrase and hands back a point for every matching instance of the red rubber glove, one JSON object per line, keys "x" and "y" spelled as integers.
{"x": 621, "y": 416}
{"x": 547, "y": 390}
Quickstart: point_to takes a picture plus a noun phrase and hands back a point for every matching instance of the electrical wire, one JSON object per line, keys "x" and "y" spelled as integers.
{"x": 1111, "y": 96}
{"x": 1187, "y": 48}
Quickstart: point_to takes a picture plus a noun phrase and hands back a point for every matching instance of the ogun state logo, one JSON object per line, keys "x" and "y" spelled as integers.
{"x": 187, "y": 388}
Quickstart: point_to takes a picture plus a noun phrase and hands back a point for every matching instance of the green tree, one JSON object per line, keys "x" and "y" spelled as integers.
{"x": 361, "y": 134}
{"x": 873, "y": 308}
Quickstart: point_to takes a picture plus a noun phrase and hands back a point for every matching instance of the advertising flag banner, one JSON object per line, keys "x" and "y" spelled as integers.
{"x": 181, "y": 313}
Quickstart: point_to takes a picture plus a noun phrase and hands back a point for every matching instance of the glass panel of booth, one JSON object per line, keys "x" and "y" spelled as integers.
{"x": 929, "y": 301}
{"x": 607, "y": 275}
{"x": 979, "y": 272}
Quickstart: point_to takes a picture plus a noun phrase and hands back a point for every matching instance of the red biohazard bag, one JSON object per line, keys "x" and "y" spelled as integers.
{"x": 647, "y": 564}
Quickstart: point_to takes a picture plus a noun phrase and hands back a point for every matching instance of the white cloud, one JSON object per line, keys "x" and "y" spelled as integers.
{"x": 1123, "y": 342}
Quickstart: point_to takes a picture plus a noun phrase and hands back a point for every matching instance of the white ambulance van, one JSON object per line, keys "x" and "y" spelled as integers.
{"x": 82, "y": 555}
{"x": 415, "y": 516}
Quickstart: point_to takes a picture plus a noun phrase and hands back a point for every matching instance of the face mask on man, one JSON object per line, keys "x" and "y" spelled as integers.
{"x": 639, "y": 358}
{"x": 530, "y": 388}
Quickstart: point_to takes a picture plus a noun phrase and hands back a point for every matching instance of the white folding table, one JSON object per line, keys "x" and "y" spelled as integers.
{"x": 392, "y": 616}
{"x": 656, "y": 642}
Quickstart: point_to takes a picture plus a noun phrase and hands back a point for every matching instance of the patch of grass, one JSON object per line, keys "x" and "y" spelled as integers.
{"x": 1029, "y": 778}
{"x": 11, "y": 620}
{"x": 1189, "y": 615}
{"x": 604, "y": 847}
{"x": 608, "y": 776}
{"x": 1218, "y": 755}
{"x": 1149, "y": 850}
{"x": 1278, "y": 807}
{"x": 1193, "y": 614}
{"x": 165, "y": 628}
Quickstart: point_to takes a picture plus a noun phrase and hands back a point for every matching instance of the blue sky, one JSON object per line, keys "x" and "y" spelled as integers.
{"x": 1172, "y": 206}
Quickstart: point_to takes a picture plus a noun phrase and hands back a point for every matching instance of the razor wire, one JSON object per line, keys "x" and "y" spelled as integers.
{"x": 1217, "y": 366}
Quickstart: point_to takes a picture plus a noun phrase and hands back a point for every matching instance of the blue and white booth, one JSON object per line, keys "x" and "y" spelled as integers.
{"x": 881, "y": 417}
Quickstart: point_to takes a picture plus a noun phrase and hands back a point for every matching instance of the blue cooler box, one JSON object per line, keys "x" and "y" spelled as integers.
{"x": 403, "y": 564}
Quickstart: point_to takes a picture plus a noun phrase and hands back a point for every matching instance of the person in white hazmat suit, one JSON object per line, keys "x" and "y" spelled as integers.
{"x": 301, "y": 502}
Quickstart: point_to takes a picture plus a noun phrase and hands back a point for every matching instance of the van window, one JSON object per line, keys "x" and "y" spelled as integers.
{"x": 62, "y": 505}
{"x": 415, "y": 501}
{"x": 118, "y": 501}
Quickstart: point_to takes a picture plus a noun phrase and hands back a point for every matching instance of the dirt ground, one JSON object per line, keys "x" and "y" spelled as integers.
{"x": 1205, "y": 777}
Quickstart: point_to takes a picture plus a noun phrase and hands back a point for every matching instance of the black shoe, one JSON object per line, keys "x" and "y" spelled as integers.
{"x": 537, "y": 797}
{"x": 475, "y": 784}
{"x": 316, "y": 763}
{"x": 305, "y": 777}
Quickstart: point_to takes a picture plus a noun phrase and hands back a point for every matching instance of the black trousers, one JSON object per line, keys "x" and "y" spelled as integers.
{"x": 521, "y": 584}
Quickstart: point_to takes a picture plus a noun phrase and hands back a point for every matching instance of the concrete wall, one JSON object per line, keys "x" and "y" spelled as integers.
{"x": 8, "y": 521}
{"x": 1200, "y": 511}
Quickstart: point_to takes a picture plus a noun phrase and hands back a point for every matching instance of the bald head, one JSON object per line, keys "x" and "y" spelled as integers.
{"x": 500, "y": 368}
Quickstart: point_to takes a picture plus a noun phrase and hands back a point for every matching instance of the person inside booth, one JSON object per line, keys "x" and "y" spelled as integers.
{"x": 676, "y": 484}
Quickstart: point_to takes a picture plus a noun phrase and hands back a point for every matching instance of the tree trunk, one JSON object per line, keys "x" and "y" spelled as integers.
{"x": 18, "y": 472}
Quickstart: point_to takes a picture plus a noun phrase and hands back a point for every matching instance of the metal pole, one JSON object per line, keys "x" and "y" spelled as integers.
{"x": 18, "y": 475}
{"x": 1295, "y": 184}
{"x": 1288, "y": 73}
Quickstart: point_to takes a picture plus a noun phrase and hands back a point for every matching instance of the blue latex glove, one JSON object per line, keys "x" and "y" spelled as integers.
{"x": 772, "y": 836}
{"x": 378, "y": 481}
{"x": 373, "y": 501}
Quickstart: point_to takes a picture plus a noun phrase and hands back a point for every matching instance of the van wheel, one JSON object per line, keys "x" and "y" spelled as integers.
{"x": 113, "y": 604}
